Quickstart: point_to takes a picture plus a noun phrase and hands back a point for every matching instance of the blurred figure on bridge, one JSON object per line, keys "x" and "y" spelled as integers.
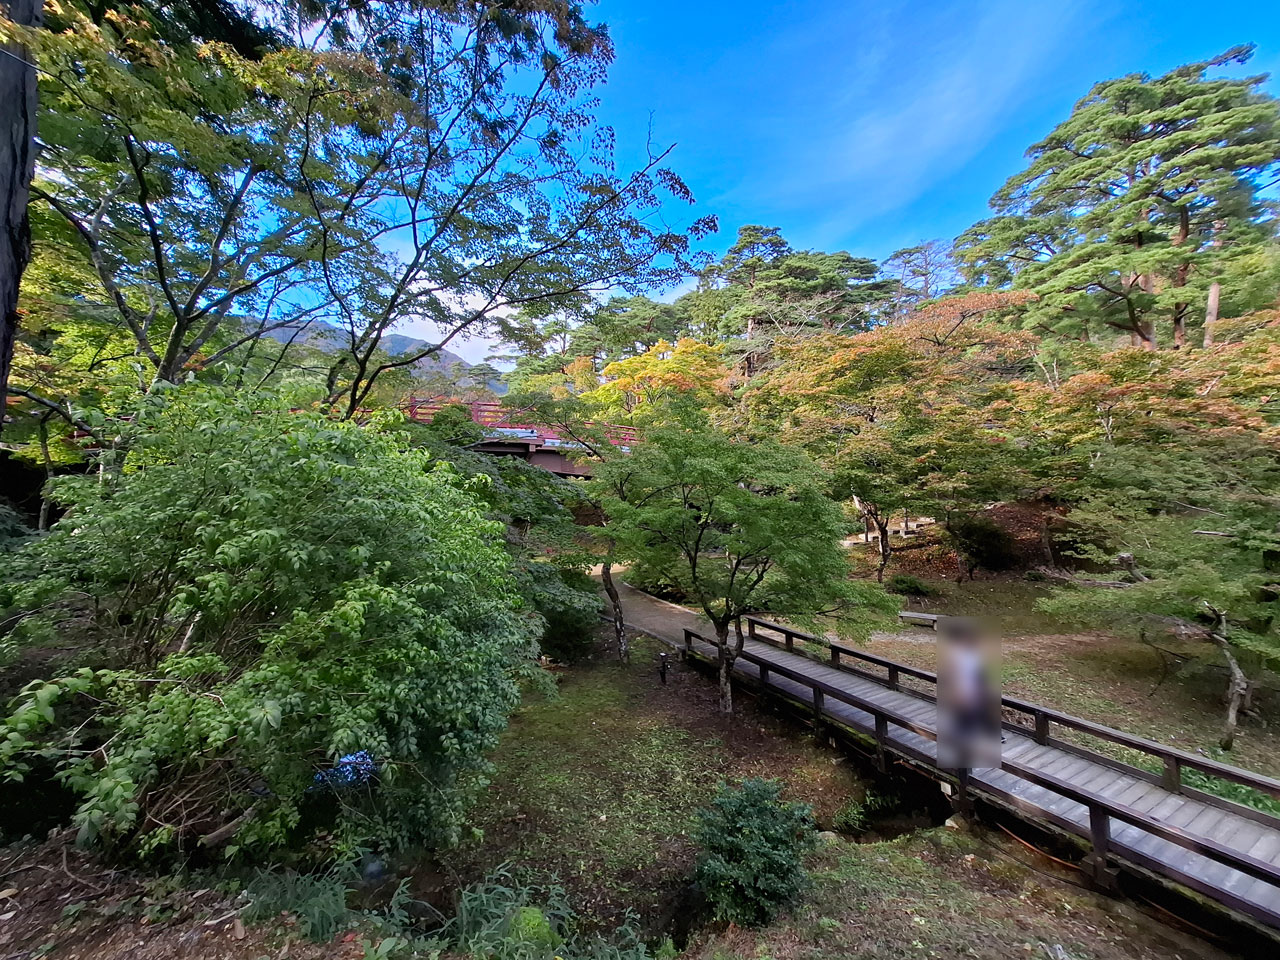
{"x": 968, "y": 694}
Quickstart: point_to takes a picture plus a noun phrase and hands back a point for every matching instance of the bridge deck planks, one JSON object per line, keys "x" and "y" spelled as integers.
{"x": 1129, "y": 842}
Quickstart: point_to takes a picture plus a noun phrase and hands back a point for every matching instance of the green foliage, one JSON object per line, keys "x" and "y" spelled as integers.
{"x": 736, "y": 526}
{"x": 542, "y": 536}
{"x": 1131, "y": 208}
{"x": 260, "y": 592}
{"x": 317, "y": 901}
{"x": 13, "y": 531}
{"x": 753, "y": 847}
{"x": 502, "y": 918}
{"x": 855, "y": 816}
{"x": 569, "y": 606}
{"x": 909, "y": 586}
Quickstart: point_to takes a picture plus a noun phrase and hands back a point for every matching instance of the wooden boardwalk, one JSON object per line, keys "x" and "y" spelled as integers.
{"x": 1129, "y": 815}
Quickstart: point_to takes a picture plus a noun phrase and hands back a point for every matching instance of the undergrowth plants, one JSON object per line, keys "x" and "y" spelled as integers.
{"x": 499, "y": 918}
{"x": 753, "y": 848}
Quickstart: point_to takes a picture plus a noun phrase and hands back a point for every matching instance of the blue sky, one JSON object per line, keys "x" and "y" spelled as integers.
{"x": 872, "y": 126}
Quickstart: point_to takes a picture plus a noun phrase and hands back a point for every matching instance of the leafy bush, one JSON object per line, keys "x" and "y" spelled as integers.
{"x": 909, "y": 586}
{"x": 536, "y": 509}
{"x": 753, "y": 847}
{"x": 259, "y": 593}
{"x": 569, "y": 605}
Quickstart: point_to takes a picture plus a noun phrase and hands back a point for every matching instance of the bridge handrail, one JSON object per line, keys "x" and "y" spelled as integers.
{"x": 1101, "y": 809}
{"x": 1172, "y": 758}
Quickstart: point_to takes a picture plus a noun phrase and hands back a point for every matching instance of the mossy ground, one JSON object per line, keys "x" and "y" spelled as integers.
{"x": 599, "y": 785}
{"x": 942, "y": 894}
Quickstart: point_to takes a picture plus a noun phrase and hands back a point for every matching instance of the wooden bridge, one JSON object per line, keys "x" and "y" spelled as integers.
{"x": 1127, "y": 815}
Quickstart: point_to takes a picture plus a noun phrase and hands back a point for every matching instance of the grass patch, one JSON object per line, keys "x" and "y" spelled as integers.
{"x": 934, "y": 894}
{"x": 599, "y": 786}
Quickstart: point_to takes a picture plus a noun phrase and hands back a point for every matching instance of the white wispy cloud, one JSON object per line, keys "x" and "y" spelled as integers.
{"x": 917, "y": 99}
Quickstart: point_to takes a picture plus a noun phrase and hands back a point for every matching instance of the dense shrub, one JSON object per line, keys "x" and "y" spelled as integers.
{"x": 753, "y": 847}
{"x": 570, "y": 608}
{"x": 537, "y": 510}
{"x": 909, "y": 586}
{"x": 259, "y": 594}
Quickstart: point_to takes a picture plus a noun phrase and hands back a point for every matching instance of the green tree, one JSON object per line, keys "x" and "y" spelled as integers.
{"x": 737, "y": 526}
{"x": 1168, "y": 464}
{"x": 1137, "y": 204}
{"x": 917, "y": 275}
{"x": 257, "y": 594}
{"x": 762, "y": 289}
{"x": 412, "y": 160}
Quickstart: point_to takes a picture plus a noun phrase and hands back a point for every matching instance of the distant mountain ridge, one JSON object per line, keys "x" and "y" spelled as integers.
{"x": 329, "y": 338}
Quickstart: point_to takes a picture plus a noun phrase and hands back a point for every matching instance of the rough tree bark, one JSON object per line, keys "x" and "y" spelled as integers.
{"x": 886, "y": 548}
{"x": 17, "y": 164}
{"x": 619, "y": 625}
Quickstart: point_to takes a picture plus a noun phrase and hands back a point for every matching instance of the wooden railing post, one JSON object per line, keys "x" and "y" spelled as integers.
{"x": 791, "y": 644}
{"x": 1172, "y": 780}
{"x": 882, "y": 734}
{"x": 1100, "y": 837}
{"x": 1042, "y": 726}
{"x": 835, "y": 656}
{"x": 764, "y": 674}
{"x": 963, "y": 801}
{"x": 817, "y": 704}
{"x": 688, "y": 640}
{"x": 751, "y": 628}
{"x": 893, "y": 677}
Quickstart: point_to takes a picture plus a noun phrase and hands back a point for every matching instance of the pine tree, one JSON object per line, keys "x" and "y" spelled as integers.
{"x": 1137, "y": 204}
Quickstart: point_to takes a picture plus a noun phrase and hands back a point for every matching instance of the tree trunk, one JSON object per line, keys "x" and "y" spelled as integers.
{"x": 886, "y": 551}
{"x": 43, "y": 523}
{"x": 17, "y": 164}
{"x": 724, "y": 660}
{"x": 1211, "y": 312}
{"x": 1180, "y": 325}
{"x": 619, "y": 626}
{"x": 1237, "y": 684}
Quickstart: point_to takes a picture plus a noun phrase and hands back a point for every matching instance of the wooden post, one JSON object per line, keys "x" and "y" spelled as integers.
{"x": 893, "y": 677}
{"x": 963, "y": 801}
{"x": 817, "y": 704}
{"x": 751, "y": 629}
{"x": 882, "y": 733}
{"x": 688, "y": 640}
{"x": 764, "y": 674}
{"x": 1100, "y": 837}
{"x": 1172, "y": 779}
{"x": 1042, "y": 727}
{"x": 791, "y": 643}
{"x": 835, "y": 656}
